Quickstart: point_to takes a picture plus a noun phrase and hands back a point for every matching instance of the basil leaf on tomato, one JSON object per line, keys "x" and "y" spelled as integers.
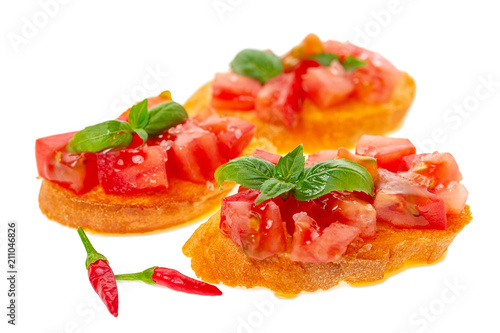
{"x": 138, "y": 115}
{"x": 109, "y": 134}
{"x": 291, "y": 165}
{"x": 325, "y": 59}
{"x": 332, "y": 175}
{"x": 351, "y": 63}
{"x": 163, "y": 116}
{"x": 260, "y": 65}
{"x": 248, "y": 171}
{"x": 273, "y": 188}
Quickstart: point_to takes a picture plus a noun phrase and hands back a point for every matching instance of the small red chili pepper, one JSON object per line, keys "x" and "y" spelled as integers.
{"x": 172, "y": 279}
{"x": 101, "y": 276}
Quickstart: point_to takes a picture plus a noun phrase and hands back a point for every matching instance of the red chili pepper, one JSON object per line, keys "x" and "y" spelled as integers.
{"x": 172, "y": 279}
{"x": 101, "y": 276}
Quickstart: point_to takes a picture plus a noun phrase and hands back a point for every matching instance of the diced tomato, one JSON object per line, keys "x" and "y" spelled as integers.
{"x": 369, "y": 163}
{"x": 234, "y": 134}
{"x": 303, "y": 66}
{"x": 403, "y": 203}
{"x": 389, "y": 152}
{"x": 280, "y": 100}
{"x": 321, "y": 156}
{"x": 374, "y": 81}
{"x": 257, "y": 229}
{"x": 292, "y": 206}
{"x": 270, "y": 157}
{"x": 313, "y": 244}
{"x": 454, "y": 196}
{"x": 232, "y": 91}
{"x": 327, "y": 86}
{"x": 346, "y": 208}
{"x": 132, "y": 170}
{"x": 77, "y": 172}
{"x": 195, "y": 152}
{"x": 247, "y": 196}
{"x": 440, "y": 168}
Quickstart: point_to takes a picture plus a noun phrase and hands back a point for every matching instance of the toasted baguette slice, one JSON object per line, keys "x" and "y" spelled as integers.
{"x": 183, "y": 202}
{"x": 215, "y": 258}
{"x": 340, "y": 126}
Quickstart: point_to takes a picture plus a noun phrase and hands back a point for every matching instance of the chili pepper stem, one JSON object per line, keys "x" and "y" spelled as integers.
{"x": 92, "y": 254}
{"x": 144, "y": 276}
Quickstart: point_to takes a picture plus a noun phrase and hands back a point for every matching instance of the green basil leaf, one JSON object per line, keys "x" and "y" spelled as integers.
{"x": 273, "y": 188}
{"x": 138, "y": 116}
{"x": 325, "y": 59}
{"x": 351, "y": 63}
{"x": 142, "y": 134}
{"x": 260, "y": 65}
{"x": 248, "y": 171}
{"x": 163, "y": 116}
{"x": 109, "y": 134}
{"x": 291, "y": 165}
{"x": 332, "y": 175}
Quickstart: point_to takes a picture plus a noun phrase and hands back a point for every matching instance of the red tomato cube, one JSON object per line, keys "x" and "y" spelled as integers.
{"x": 279, "y": 100}
{"x": 231, "y": 91}
{"x": 132, "y": 170}
{"x": 77, "y": 172}
{"x": 234, "y": 134}
{"x": 389, "y": 152}
{"x": 311, "y": 244}
{"x": 195, "y": 152}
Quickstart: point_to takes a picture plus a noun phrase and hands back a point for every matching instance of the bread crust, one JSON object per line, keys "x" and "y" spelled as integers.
{"x": 339, "y": 126}
{"x": 216, "y": 259}
{"x": 99, "y": 212}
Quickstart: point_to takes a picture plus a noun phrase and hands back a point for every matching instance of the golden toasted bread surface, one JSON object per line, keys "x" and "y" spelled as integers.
{"x": 339, "y": 126}
{"x": 216, "y": 259}
{"x": 97, "y": 211}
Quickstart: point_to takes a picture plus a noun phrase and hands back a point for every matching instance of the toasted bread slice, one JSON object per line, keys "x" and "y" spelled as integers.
{"x": 339, "y": 126}
{"x": 96, "y": 211}
{"x": 215, "y": 258}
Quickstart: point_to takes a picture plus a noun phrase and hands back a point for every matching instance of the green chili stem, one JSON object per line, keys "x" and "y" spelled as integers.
{"x": 92, "y": 254}
{"x": 144, "y": 276}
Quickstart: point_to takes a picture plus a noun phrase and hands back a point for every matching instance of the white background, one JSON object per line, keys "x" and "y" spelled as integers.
{"x": 76, "y": 69}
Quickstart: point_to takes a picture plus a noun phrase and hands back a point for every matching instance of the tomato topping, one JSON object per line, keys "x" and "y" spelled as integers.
{"x": 76, "y": 172}
{"x": 369, "y": 163}
{"x": 403, "y": 203}
{"x": 321, "y": 156}
{"x": 195, "y": 152}
{"x": 132, "y": 170}
{"x": 280, "y": 100}
{"x": 270, "y": 157}
{"x": 257, "y": 229}
{"x": 440, "y": 168}
{"x": 292, "y": 206}
{"x": 374, "y": 81}
{"x": 346, "y": 208}
{"x": 232, "y": 91}
{"x": 454, "y": 196}
{"x": 327, "y": 86}
{"x": 234, "y": 134}
{"x": 312, "y": 244}
{"x": 389, "y": 152}
{"x": 311, "y": 45}
{"x": 303, "y": 66}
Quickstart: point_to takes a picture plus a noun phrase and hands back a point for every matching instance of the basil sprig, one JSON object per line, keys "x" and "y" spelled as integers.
{"x": 289, "y": 177}
{"x": 116, "y": 134}
{"x": 349, "y": 63}
{"x": 260, "y": 65}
